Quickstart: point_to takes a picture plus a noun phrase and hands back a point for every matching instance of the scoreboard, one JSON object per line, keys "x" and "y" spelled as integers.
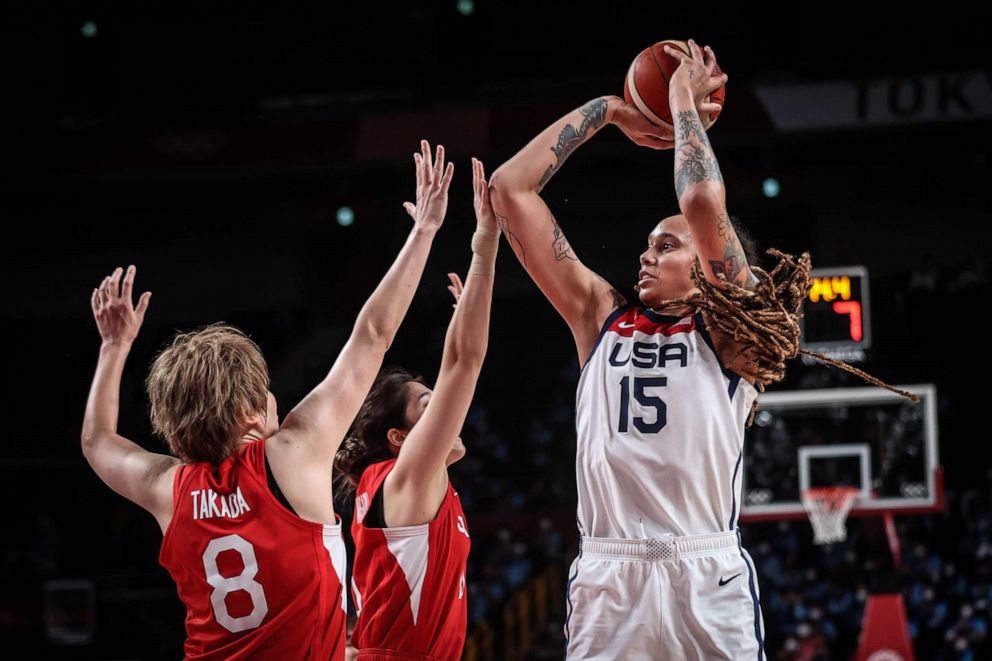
{"x": 836, "y": 317}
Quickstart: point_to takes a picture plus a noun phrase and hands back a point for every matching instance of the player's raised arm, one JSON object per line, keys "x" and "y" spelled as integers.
{"x": 142, "y": 477}
{"x": 580, "y": 296}
{"x": 417, "y": 484}
{"x": 698, "y": 181}
{"x": 315, "y": 428}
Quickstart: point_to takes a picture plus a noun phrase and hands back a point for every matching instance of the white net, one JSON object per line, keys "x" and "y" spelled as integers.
{"x": 828, "y": 509}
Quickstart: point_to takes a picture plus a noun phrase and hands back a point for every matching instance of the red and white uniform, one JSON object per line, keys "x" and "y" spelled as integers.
{"x": 409, "y": 582}
{"x": 258, "y": 581}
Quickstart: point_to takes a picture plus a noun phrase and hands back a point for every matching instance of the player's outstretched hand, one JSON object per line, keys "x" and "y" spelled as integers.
{"x": 484, "y": 216}
{"x": 697, "y": 72}
{"x": 637, "y": 127}
{"x": 116, "y": 317}
{"x": 433, "y": 179}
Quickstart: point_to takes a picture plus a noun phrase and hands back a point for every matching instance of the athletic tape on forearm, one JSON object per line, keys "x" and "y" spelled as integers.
{"x": 485, "y": 244}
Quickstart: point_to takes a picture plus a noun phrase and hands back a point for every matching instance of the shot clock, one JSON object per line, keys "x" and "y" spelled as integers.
{"x": 836, "y": 317}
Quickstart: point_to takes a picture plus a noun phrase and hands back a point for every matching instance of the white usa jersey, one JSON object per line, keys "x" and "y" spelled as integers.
{"x": 660, "y": 430}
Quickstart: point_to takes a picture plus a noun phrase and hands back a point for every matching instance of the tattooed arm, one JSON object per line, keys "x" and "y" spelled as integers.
{"x": 582, "y": 298}
{"x": 698, "y": 181}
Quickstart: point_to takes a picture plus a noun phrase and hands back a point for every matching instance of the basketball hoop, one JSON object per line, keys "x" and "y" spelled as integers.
{"x": 828, "y": 508}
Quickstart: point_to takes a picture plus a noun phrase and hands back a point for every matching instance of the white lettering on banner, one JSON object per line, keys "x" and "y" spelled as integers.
{"x": 948, "y": 96}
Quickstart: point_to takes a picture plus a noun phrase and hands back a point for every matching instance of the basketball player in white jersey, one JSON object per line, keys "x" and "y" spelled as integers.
{"x": 662, "y": 402}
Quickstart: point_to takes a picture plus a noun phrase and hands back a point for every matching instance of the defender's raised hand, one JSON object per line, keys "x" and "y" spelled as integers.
{"x": 117, "y": 319}
{"x": 433, "y": 179}
{"x": 484, "y": 216}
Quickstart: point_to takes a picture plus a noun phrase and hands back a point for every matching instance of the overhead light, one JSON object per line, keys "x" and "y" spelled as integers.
{"x": 346, "y": 216}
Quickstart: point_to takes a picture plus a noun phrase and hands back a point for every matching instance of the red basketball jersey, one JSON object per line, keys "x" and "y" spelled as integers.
{"x": 258, "y": 581}
{"x": 409, "y": 582}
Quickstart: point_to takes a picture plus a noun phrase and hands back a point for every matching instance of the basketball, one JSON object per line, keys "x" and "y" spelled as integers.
{"x": 646, "y": 84}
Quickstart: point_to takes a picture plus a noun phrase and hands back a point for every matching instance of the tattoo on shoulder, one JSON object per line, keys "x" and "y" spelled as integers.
{"x": 511, "y": 238}
{"x": 593, "y": 115}
{"x": 734, "y": 258}
{"x": 559, "y": 243}
{"x": 724, "y": 228}
{"x": 734, "y": 263}
{"x": 694, "y": 159}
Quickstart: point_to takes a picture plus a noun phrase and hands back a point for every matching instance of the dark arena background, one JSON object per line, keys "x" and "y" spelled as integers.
{"x": 252, "y": 162}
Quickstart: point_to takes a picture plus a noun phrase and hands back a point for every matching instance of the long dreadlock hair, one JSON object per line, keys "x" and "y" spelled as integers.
{"x": 764, "y": 317}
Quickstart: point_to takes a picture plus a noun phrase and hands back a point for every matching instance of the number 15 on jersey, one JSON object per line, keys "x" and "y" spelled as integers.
{"x": 645, "y": 400}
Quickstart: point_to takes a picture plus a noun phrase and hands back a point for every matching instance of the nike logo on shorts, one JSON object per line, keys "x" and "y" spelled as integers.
{"x": 624, "y": 324}
{"x": 724, "y": 581}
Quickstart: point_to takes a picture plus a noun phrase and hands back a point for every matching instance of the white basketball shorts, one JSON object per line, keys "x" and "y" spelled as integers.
{"x": 663, "y": 598}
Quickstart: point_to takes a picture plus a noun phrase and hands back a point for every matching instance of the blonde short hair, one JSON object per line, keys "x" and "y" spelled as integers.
{"x": 202, "y": 387}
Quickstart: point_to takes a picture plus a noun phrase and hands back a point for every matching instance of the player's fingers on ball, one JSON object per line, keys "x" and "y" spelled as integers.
{"x": 676, "y": 53}
{"x": 694, "y": 50}
{"x": 706, "y": 91}
{"x": 716, "y": 67}
{"x": 709, "y": 59}
{"x": 717, "y": 81}
{"x": 710, "y": 107}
